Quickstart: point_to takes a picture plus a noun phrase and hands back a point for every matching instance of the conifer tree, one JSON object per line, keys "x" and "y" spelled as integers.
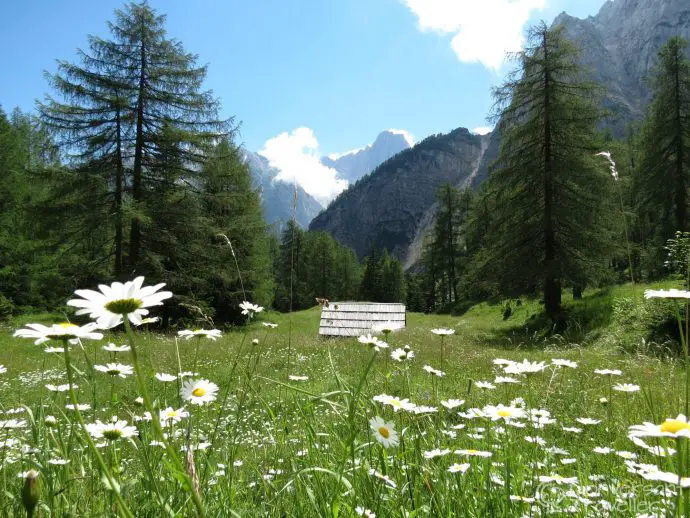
{"x": 665, "y": 171}
{"x": 551, "y": 197}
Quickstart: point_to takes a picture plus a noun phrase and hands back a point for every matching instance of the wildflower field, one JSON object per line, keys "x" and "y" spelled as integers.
{"x": 447, "y": 417}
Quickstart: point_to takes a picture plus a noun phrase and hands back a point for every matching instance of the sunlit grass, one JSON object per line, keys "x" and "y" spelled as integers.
{"x": 307, "y": 448}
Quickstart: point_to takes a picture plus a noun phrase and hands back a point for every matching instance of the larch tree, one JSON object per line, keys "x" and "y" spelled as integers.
{"x": 551, "y": 197}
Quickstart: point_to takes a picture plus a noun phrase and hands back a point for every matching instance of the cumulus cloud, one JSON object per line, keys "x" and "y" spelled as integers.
{"x": 408, "y": 136}
{"x": 482, "y": 130}
{"x": 483, "y": 30}
{"x": 296, "y": 156}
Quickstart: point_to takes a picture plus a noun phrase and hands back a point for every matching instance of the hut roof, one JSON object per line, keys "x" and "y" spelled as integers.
{"x": 356, "y": 318}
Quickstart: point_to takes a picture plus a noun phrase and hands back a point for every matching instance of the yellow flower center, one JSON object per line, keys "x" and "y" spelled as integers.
{"x": 67, "y": 325}
{"x": 385, "y": 433}
{"x": 504, "y": 413}
{"x": 674, "y": 426}
{"x": 472, "y": 452}
{"x": 112, "y": 434}
{"x": 395, "y": 402}
{"x": 123, "y": 306}
{"x": 198, "y": 392}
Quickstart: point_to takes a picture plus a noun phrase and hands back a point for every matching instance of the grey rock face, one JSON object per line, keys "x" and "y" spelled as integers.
{"x": 385, "y": 208}
{"x": 278, "y": 198}
{"x": 353, "y": 166}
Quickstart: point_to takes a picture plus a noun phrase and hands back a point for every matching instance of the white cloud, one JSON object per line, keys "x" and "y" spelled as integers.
{"x": 296, "y": 155}
{"x": 482, "y": 130}
{"x": 336, "y": 156}
{"x": 484, "y": 29}
{"x": 408, "y": 136}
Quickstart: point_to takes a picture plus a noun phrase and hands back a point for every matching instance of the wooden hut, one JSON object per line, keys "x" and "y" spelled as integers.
{"x": 357, "y": 318}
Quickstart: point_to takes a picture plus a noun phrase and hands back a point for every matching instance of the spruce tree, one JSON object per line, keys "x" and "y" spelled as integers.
{"x": 551, "y": 197}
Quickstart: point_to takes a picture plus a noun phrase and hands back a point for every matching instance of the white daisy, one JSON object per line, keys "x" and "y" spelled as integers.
{"x": 387, "y": 327}
{"x": 673, "y": 428}
{"x": 384, "y": 432}
{"x": 443, "y": 332}
{"x": 608, "y": 372}
{"x": 558, "y": 479}
{"x": 505, "y": 379}
{"x": 171, "y": 415}
{"x": 65, "y": 331}
{"x": 563, "y": 363}
{"x": 199, "y": 392}
{"x": 484, "y": 385}
{"x": 212, "y": 334}
{"x": 116, "y": 429}
{"x": 115, "y": 369}
{"x": 459, "y": 468}
{"x": 361, "y": 511}
{"x": 292, "y": 377}
{"x": 434, "y": 372}
{"x": 524, "y": 367}
{"x": 372, "y": 341}
{"x": 450, "y": 404}
{"x": 507, "y": 413}
{"x": 474, "y": 453}
{"x": 395, "y": 403}
{"x": 436, "y": 453}
{"x": 270, "y": 324}
{"x": 588, "y": 421}
{"x": 59, "y": 388}
{"x": 165, "y": 377}
{"x": 110, "y": 305}
{"x": 250, "y": 309}
{"x": 112, "y": 348}
{"x": 626, "y": 387}
{"x": 402, "y": 354}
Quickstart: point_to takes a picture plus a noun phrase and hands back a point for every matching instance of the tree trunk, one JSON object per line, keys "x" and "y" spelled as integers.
{"x": 119, "y": 178}
{"x": 135, "y": 230}
{"x": 552, "y": 282}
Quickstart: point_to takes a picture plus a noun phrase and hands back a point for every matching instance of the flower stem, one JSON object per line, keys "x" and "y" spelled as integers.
{"x": 155, "y": 421}
{"x": 92, "y": 446}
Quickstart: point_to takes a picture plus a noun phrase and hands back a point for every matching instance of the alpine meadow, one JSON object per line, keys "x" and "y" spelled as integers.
{"x": 206, "y": 311}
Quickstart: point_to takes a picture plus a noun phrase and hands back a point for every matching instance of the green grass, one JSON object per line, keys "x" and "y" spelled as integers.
{"x": 305, "y": 448}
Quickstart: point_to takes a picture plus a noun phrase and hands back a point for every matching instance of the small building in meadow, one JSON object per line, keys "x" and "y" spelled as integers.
{"x": 358, "y": 318}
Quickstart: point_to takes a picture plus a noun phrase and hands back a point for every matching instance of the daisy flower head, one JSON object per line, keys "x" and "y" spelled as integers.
{"x": 211, "y": 334}
{"x": 394, "y": 402}
{"x": 400, "y": 355}
{"x": 667, "y": 294}
{"x": 387, "y": 327}
{"x": 588, "y": 421}
{"x": 443, "y": 332}
{"x": 432, "y": 454}
{"x": 112, "y": 303}
{"x": 270, "y": 325}
{"x": 558, "y": 479}
{"x": 66, "y": 331}
{"x": 112, "y": 431}
{"x": 373, "y": 342}
{"x": 293, "y": 377}
{"x": 59, "y": 388}
{"x": 671, "y": 428}
{"x": 474, "y": 453}
{"x": 434, "y": 372}
{"x": 384, "y": 432}
{"x": 171, "y": 415}
{"x": 361, "y": 511}
{"x": 524, "y": 367}
{"x": 507, "y": 413}
{"x": 112, "y": 348}
{"x": 450, "y": 404}
{"x": 556, "y": 362}
{"x": 505, "y": 379}
{"x": 165, "y": 377}
{"x": 626, "y": 387}
{"x": 484, "y": 385}
{"x": 115, "y": 369}
{"x": 250, "y": 309}
{"x": 608, "y": 372}
{"x": 199, "y": 391}
{"x": 459, "y": 468}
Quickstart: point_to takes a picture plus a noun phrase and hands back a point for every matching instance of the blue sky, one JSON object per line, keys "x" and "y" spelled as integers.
{"x": 345, "y": 69}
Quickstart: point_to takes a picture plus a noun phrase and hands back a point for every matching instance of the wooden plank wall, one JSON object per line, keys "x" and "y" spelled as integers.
{"x": 357, "y": 318}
